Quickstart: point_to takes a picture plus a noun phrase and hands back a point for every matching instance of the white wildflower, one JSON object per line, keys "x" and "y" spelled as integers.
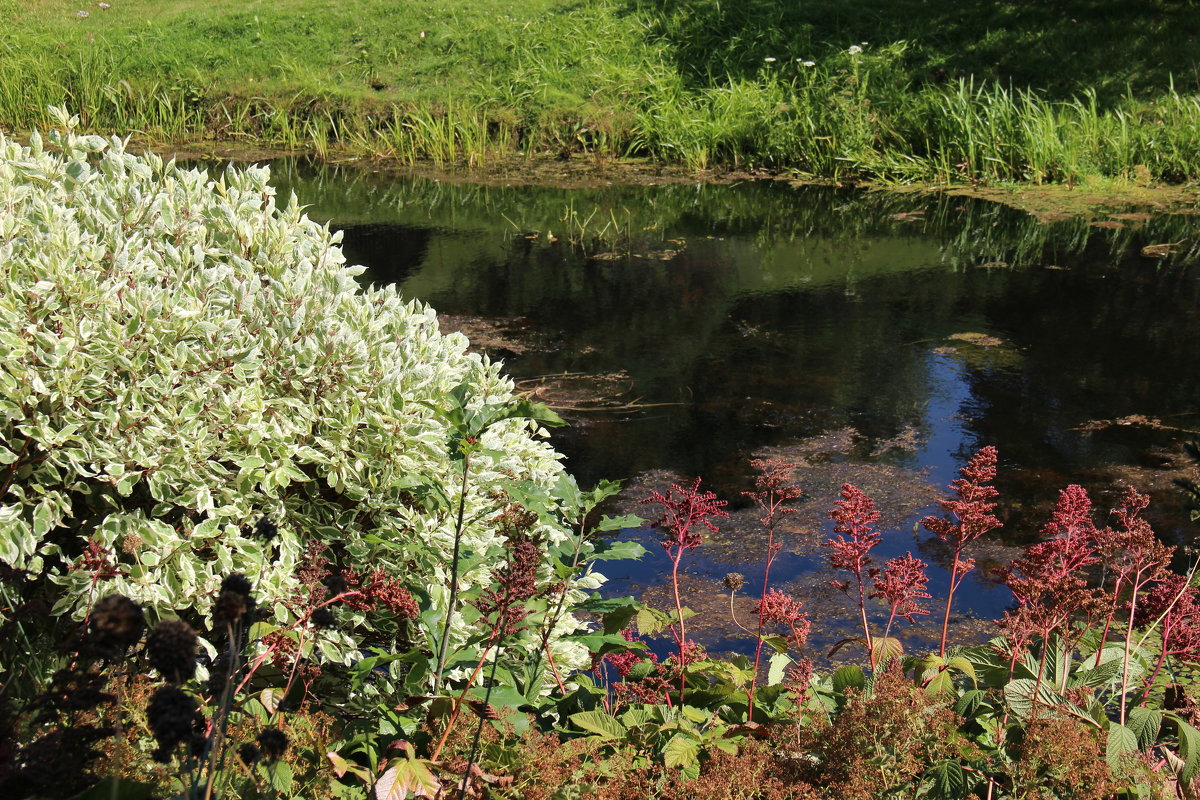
{"x": 854, "y": 50}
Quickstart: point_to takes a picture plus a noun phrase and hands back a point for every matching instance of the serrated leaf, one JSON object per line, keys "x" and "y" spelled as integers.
{"x": 1145, "y": 723}
{"x": 947, "y": 780}
{"x": 1121, "y": 743}
{"x": 1189, "y": 749}
{"x": 964, "y": 666}
{"x": 650, "y": 622}
{"x": 599, "y": 723}
{"x": 848, "y": 677}
{"x": 682, "y": 751}
{"x": 406, "y": 775}
{"x": 619, "y": 551}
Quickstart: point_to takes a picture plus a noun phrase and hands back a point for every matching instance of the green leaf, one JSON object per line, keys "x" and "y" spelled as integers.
{"x": 682, "y": 751}
{"x": 640, "y": 670}
{"x": 965, "y": 667}
{"x": 619, "y": 551}
{"x": 848, "y": 677}
{"x": 947, "y": 780}
{"x": 280, "y": 774}
{"x": 599, "y": 723}
{"x": 406, "y": 775}
{"x": 621, "y": 523}
{"x": 884, "y": 649}
{"x": 1189, "y": 749}
{"x": 619, "y": 619}
{"x": 777, "y": 668}
{"x": 942, "y": 683}
{"x": 650, "y": 622}
{"x": 1145, "y": 723}
{"x": 1122, "y": 742}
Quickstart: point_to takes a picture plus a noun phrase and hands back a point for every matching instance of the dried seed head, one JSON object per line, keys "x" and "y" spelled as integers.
{"x": 116, "y": 625}
{"x": 235, "y": 601}
{"x": 273, "y": 743}
{"x": 265, "y": 529}
{"x": 173, "y": 717}
{"x": 171, "y": 648}
{"x": 733, "y": 581}
{"x": 248, "y": 753}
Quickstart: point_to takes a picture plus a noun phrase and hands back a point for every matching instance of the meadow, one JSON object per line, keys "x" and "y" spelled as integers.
{"x": 902, "y": 92}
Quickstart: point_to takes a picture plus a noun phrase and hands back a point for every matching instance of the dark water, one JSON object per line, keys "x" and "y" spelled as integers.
{"x": 733, "y": 319}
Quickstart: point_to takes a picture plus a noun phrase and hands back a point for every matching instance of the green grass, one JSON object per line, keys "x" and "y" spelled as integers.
{"x": 941, "y": 91}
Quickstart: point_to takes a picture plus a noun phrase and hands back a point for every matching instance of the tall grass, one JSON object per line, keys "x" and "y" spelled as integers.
{"x": 597, "y": 79}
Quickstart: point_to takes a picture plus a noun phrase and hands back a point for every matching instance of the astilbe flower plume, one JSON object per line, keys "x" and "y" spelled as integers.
{"x": 780, "y": 608}
{"x": 517, "y": 582}
{"x": 901, "y": 584}
{"x": 1048, "y": 582}
{"x": 684, "y": 513}
{"x": 625, "y": 660}
{"x": 774, "y": 487}
{"x": 971, "y": 517}
{"x": 854, "y": 516}
{"x": 1174, "y": 605}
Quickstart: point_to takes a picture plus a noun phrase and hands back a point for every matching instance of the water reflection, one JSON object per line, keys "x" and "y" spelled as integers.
{"x": 743, "y": 319}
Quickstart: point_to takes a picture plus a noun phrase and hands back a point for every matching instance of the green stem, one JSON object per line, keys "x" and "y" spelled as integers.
{"x": 458, "y": 528}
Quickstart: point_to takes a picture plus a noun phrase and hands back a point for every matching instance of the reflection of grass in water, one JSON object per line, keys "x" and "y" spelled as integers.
{"x": 968, "y": 232}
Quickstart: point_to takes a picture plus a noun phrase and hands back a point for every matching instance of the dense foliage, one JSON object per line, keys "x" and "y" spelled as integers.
{"x": 269, "y": 535}
{"x": 182, "y": 360}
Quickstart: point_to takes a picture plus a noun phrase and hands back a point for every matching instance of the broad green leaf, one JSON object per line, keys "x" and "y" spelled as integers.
{"x": 619, "y": 551}
{"x": 1122, "y": 742}
{"x": 1145, "y": 723}
{"x": 848, "y": 677}
{"x": 777, "y": 668}
{"x": 1189, "y": 748}
{"x": 947, "y": 780}
{"x": 681, "y": 751}
{"x": 964, "y": 666}
{"x": 885, "y": 649}
{"x": 599, "y": 723}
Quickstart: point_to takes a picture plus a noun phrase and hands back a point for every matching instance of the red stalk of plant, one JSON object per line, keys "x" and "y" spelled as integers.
{"x": 684, "y": 512}
{"x": 772, "y": 488}
{"x": 971, "y": 516}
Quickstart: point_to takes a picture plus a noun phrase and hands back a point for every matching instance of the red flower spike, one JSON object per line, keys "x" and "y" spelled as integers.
{"x": 685, "y": 510}
{"x": 901, "y": 584}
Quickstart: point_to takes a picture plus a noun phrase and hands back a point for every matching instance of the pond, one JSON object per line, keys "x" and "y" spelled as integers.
{"x": 873, "y": 338}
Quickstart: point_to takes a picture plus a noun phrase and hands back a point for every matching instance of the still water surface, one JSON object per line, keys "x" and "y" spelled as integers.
{"x": 877, "y": 338}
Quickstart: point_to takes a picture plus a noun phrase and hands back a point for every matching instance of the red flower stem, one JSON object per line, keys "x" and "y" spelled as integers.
{"x": 762, "y": 598}
{"x": 949, "y": 601}
{"x": 458, "y": 702}
{"x": 682, "y": 631}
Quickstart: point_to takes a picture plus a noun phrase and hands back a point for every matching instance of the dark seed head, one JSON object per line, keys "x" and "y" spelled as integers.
{"x": 336, "y": 584}
{"x": 248, "y": 753}
{"x": 273, "y": 743}
{"x": 116, "y": 625}
{"x": 171, "y": 649}
{"x": 323, "y": 618}
{"x": 733, "y": 581}
{"x": 235, "y": 601}
{"x": 173, "y": 717}
{"x": 265, "y": 529}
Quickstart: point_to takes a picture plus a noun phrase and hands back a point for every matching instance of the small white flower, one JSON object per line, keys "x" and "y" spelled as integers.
{"x": 854, "y": 50}
{"x": 82, "y": 14}
{"x": 104, "y": 5}
{"x": 807, "y": 63}
{"x": 769, "y": 59}
{"x": 864, "y": 44}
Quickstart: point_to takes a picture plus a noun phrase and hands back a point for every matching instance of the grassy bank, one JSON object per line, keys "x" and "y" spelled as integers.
{"x": 908, "y": 91}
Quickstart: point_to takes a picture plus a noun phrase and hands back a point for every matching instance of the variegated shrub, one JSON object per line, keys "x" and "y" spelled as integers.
{"x": 181, "y": 356}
